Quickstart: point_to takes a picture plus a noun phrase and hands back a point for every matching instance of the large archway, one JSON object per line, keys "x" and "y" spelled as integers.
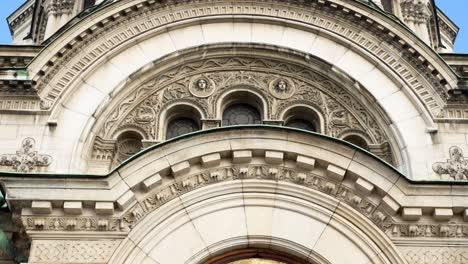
{"x": 255, "y": 213}
{"x": 213, "y": 192}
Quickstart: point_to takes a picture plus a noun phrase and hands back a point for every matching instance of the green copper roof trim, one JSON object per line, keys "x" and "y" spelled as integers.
{"x": 221, "y": 129}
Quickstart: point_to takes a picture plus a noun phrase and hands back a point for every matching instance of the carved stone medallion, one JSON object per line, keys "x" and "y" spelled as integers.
{"x": 202, "y": 87}
{"x": 282, "y": 88}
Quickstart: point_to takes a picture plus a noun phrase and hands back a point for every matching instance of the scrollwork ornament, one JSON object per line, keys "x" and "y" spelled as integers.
{"x": 201, "y": 86}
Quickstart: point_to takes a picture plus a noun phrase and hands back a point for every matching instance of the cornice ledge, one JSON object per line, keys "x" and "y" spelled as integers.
{"x": 173, "y": 169}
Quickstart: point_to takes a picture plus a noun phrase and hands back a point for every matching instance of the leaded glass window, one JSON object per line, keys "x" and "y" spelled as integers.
{"x": 301, "y": 124}
{"x": 181, "y": 126}
{"x": 241, "y": 114}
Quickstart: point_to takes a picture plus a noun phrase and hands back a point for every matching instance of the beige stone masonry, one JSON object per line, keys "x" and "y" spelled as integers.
{"x": 211, "y": 160}
{"x": 125, "y": 200}
{"x": 152, "y": 181}
{"x": 104, "y": 208}
{"x": 305, "y": 162}
{"x": 274, "y": 157}
{"x": 443, "y": 214}
{"x": 241, "y": 156}
{"x": 390, "y": 205}
{"x": 74, "y": 208}
{"x": 364, "y": 186}
{"x": 411, "y": 214}
{"x": 181, "y": 168}
{"x": 41, "y": 207}
{"x": 335, "y": 172}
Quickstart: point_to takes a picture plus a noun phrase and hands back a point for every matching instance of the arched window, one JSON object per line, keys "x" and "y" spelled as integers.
{"x": 88, "y": 3}
{"x": 387, "y": 5}
{"x": 181, "y": 126}
{"x": 128, "y": 144}
{"x": 302, "y": 117}
{"x": 357, "y": 141}
{"x": 241, "y": 114}
{"x": 301, "y": 124}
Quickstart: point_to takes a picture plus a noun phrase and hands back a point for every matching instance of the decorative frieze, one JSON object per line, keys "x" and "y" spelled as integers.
{"x": 143, "y": 108}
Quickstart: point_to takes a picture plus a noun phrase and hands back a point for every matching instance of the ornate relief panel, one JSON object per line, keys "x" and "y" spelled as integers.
{"x": 69, "y": 251}
{"x": 25, "y": 159}
{"x": 204, "y": 83}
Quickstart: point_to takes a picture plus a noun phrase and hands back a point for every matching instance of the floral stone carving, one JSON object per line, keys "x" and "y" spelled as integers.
{"x": 456, "y": 167}
{"x": 25, "y": 159}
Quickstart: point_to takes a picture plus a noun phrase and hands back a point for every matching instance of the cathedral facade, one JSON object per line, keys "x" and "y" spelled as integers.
{"x": 233, "y": 131}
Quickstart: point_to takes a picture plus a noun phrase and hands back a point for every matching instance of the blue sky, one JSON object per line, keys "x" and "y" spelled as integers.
{"x": 457, "y": 10}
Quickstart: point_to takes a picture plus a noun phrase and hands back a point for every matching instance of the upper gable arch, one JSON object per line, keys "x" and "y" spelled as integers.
{"x": 114, "y": 93}
{"x": 101, "y": 41}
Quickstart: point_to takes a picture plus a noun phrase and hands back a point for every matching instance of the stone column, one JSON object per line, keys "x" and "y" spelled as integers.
{"x": 52, "y": 19}
{"x": 58, "y": 13}
{"x": 422, "y": 19}
{"x": 416, "y": 15}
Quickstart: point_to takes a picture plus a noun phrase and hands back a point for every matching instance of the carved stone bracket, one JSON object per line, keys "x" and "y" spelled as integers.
{"x": 25, "y": 159}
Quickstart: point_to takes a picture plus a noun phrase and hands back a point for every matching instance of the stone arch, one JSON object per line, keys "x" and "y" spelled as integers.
{"x": 409, "y": 144}
{"x": 218, "y": 201}
{"x": 127, "y": 143}
{"x": 379, "y": 21}
{"x": 220, "y": 218}
{"x": 241, "y": 95}
{"x": 316, "y": 87}
{"x": 176, "y": 110}
{"x": 308, "y": 176}
{"x": 319, "y": 121}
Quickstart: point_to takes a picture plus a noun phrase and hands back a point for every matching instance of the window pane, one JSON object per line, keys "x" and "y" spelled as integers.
{"x": 301, "y": 124}
{"x": 181, "y": 126}
{"x": 241, "y": 114}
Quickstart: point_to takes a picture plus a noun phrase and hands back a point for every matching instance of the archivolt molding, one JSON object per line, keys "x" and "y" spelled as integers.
{"x": 142, "y": 105}
{"x": 303, "y": 162}
{"x": 68, "y": 61}
{"x": 356, "y": 187}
